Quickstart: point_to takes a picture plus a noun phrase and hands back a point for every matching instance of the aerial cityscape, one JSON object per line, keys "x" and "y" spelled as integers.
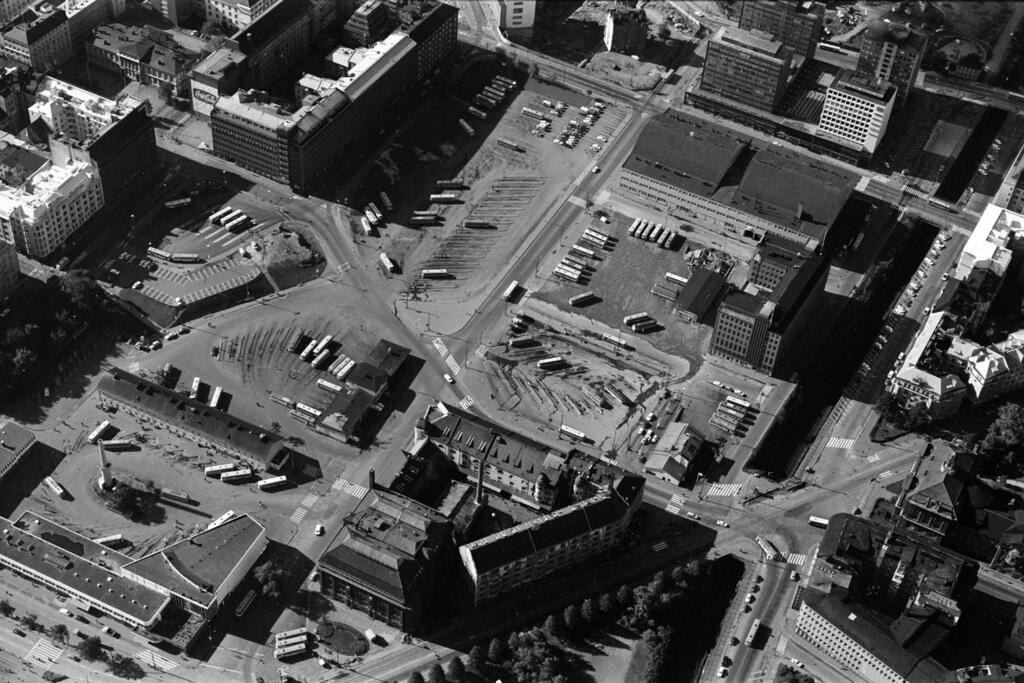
{"x": 535, "y": 341}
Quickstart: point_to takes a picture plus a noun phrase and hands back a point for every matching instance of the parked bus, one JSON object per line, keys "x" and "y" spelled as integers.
{"x": 655, "y": 234}
{"x": 935, "y": 201}
{"x": 581, "y": 299}
{"x": 215, "y": 399}
{"x": 217, "y": 215}
{"x": 477, "y": 113}
{"x": 574, "y": 434}
{"x": 179, "y": 496}
{"x": 365, "y": 224}
{"x": 229, "y": 216}
{"x": 574, "y": 264}
{"x": 511, "y": 145}
{"x": 370, "y": 217}
{"x": 97, "y": 433}
{"x": 216, "y": 470}
{"x": 635, "y": 318}
{"x": 300, "y": 639}
{"x": 466, "y": 127}
{"x": 285, "y": 635}
{"x": 444, "y": 198}
{"x": 768, "y": 548}
{"x": 283, "y": 400}
{"x": 423, "y": 220}
{"x": 677, "y": 279}
{"x": 282, "y": 653}
{"x": 524, "y": 340}
{"x": 450, "y": 184}
{"x": 52, "y": 484}
{"x": 343, "y": 371}
{"x": 634, "y": 226}
{"x": 595, "y": 240}
{"x": 819, "y": 522}
{"x": 386, "y": 201}
{"x": 237, "y": 224}
{"x": 272, "y": 483}
{"x": 307, "y": 352}
{"x": 435, "y": 273}
{"x": 667, "y": 239}
{"x": 118, "y": 444}
{"x": 612, "y": 339}
{"x": 752, "y": 633}
{"x": 322, "y": 344}
{"x": 329, "y": 386}
{"x": 158, "y": 253}
{"x": 113, "y": 539}
{"x": 295, "y": 340}
{"x": 571, "y": 276}
{"x": 645, "y": 231}
{"x": 244, "y": 605}
{"x": 643, "y": 326}
{"x": 376, "y": 212}
{"x": 738, "y": 402}
{"x": 479, "y": 224}
{"x": 309, "y": 410}
{"x": 186, "y": 258}
{"x": 178, "y": 203}
{"x": 321, "y": 359}
{"x": 504, "y": 80}
{"x": 236, "y": 475}
{"x": 386, "y": 263}
{"x": 582, "y": 251}
{"x": 194, "y": 391}
{"x": 510, "y": 291}
{"x": 552, "y": 363}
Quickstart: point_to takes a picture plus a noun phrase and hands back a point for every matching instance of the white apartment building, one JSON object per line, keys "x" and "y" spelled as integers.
{"x": 50, "y": 205}
{"x": 236, "y": 14}
{"x": 998, "y": 369}
{"x": 517, "y": 16}
{"x": 78, "y": 113}
{"x": 988, "y": 247}
{"x": 856, "y": 111}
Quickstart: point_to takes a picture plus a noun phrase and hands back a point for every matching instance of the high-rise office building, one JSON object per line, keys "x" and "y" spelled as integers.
{"x": 794, "y": 24}
{"x": 856, "y": 111}
{"x": 748, "y": 67}
{"x": 892, "y": 52}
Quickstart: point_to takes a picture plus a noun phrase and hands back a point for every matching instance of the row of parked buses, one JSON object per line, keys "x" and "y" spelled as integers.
{"x": 230, "y": 218}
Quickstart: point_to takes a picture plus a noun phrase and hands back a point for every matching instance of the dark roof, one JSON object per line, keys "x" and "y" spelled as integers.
{"x": 432, "y": 15}
{"x": 147, "y": 45}
{"x": 13, "y": 438}
{"x": 30, "y": 27}
{"x": 901, "y": 34}
{"x": 346, "y": 410}
{"x": 746, "y": 302}
{"x": 700, "y": 292}
{"x": 368, "y": 377}
{"x": 794, "y": 191}
{"x": 63, "y": 566}
{"x": 594, "y": 513}
{"x": 686, "y": 152}
{"x": 387, "y": 543}
{"x": 872, "y": 634}
{"x": 215, "y": 425}
{"x": 795, "y": 287}
{"x": 18, "y": 163}
{"x": 196, "y": 567}
{"x": 269, "y": 26}
{"x": 388, "y": 356}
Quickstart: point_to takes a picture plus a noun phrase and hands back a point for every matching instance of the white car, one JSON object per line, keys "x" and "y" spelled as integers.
{"x": 203, "y": 146}
{"x": 692, "y": 515}
{"x": 597, "y": 169}
{"x": 319, "y": 530}
{"x": 448, "y": 378}
{"x": 722, "y": 522}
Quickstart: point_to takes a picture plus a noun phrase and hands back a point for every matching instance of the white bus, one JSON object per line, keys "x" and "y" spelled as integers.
{"x": 236, "y": 475}
{"x": 386, "y": 201}
{"x": 301, "y": 639}
{"x": 551, "y": 363}
{"x": 113, "y": 539}
{"x": 574, "y": 434}
{"x": 272, "y": 483}
{"x": 177, "y": 203}
{"x": 52, "y": 484}
{"x": 581, "y": 299}
{"x": 100, "y": 430}
{"x": 635, "y": 318}
{"x": 386, "y": 262}
{"x": 215, "y": 399}
{"x": 290, "y": 651}
{"x": 237, "y": 223}
{"x": 194, "y": 391}
{"x": 309, "y": 410}
{"x": 329, "y": 386}
{"x": 118, "y": 444}
{"x": 307, "y": 352}
{"x": 434, "y": 273}
{"x": 819, "y": 522}
{"x": 321, "y": 359}
{"x": 677, "y": 279}
{"x": 217, "y": 470}
{"x": 321, "y": 345}
{"x": 366, "y": 226}
{"x": 285, "y": 635}
{"x": 582, "y": 251}
{"x": 343, "y": 371}
{"x": 510, "y": 291}
{"x": 229, "y": 216}
{"x": 244, "y": 605}
{"x": 217, "y": 215}
{"x": 755, "y": 626}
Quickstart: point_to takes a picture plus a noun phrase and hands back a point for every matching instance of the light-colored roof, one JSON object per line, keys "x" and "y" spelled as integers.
{"x": 989, "y": 242}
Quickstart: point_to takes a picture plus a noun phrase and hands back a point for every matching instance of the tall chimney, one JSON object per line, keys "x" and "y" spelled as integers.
{"x": 106, "y": 480}
{"x": 480, "y": 483}
{"x": 371, "y": 478}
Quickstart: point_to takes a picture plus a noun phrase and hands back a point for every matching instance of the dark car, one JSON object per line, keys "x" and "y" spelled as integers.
{"x": 18, "y": 632}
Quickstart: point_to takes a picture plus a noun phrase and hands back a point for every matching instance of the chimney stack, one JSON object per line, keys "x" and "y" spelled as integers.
{"x": 371, "y": 479}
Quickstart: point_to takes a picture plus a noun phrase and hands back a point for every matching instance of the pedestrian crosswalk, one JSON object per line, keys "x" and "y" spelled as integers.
{"x": 156, "y": 660}
{"x": 874, "y": 458}
{"x": 44, "y": 653}
{"x": 467, "y": 402}
{"x": 783, "y": 643}
{"x": 659, "y": 546}
{"x": 453, "y": 365}
{"x": 577, "y": 201}
{"x": 439, "y": 345}
{"x": 349, "y": 487}
{"x": 723, "y": 489}
{"x": 796, "y": 558}
{"x": 481, "y": 351}
{"x": 839, "y": 442}
{"x": 310, "y": 500}
{"x": 675, "y": 505}
{"x": 299, "y": 514}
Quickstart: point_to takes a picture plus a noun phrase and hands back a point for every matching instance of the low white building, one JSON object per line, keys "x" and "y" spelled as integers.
{"x": 856, "y": 111}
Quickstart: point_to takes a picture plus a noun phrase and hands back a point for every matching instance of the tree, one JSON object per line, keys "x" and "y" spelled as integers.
{"x": 59, "y": 632}
{"x": 91, "y": 649}
{"x": 6, "y": 608}
{"x": 572, "y": 619}
{"x": 589, "y": 612}
{"x": 31, "y": 622}
{"x": 496, "y": 651}
{"x": 1007, "y": 431}
{"x": 416, "y": 677}
{"x": 477, "y": 659}
{"x": 125, "y": 667}
{"x": 123, "y": 499}
{"x": 456, "y": 670}
{"x": 553, "y": 626}
{"x": 275, "y": 427}
{"x": 607, "y": 604}
{"x": 664, "y": 30}
{"x": 624, "y": 596}
{"x": 271, "y": 578}
{"x": 436, "y": 674}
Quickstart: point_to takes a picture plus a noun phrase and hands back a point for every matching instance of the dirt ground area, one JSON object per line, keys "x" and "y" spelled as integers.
{"x": 982, "y": 21}
{"x": 625, "y": 71}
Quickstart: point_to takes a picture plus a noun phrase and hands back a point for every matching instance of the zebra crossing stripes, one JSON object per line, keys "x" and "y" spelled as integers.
{"x": 838, "y": 442}
{"x": 672, "y": 509}
{"x": 874, "y": 458}
{"x": 350, "y": 488}
{"x": 439, "y": 345}
{"x": 659, "y": 546}
{"x": 44, "y": 653}
{"x": 481, "y": 351}
{"x": 310, "y": 500}
{"x": 467, "y": 402}
{"x": 723, "y": 489}
{"x": 299, "y": 514}
{"x": 577, "y": 201}
{"x": 796, "y": 558}
{"x": 783, "y": 643}
{"x": 453, "y": 365}
{"x": 156, "y": 660}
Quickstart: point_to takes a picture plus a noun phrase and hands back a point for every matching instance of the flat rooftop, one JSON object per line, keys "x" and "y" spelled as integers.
{"x": 13, "y": 439}
{"x": 60, "y": 564}
{"x": 754, "y": 41}
{"x": 196, "y": 567}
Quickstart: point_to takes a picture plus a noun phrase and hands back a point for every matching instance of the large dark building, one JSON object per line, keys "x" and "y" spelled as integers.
{"x": 388, "y": 558}
{"x": 370, "y": 23}
{"x": 435, "y": 28}
{"x": 793, "y": 23}
{"x": 893, "y": 53}
{"x": 748, "y": 67}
